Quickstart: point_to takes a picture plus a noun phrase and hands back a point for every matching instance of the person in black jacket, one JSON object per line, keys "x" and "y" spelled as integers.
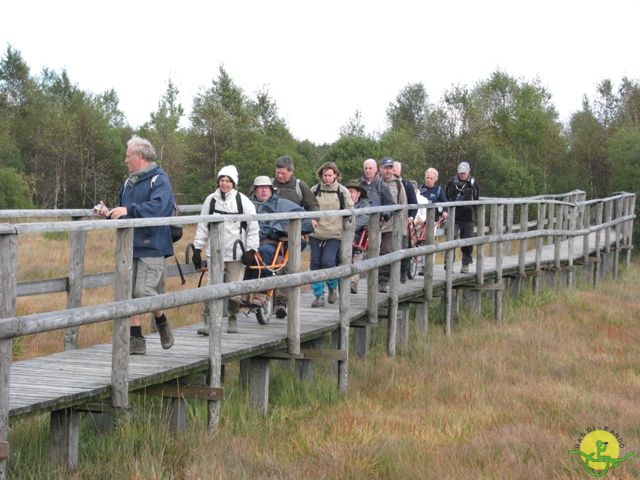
{"x": 410, "y": 192}
{"x": 463, "y": 187}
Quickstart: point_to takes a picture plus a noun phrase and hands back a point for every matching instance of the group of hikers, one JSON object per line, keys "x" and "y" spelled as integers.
{"x": 147, "y": 192}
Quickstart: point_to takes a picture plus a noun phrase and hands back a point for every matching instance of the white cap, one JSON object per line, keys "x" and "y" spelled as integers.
{"x": 231, "y": 172}
{"x": 463, "y": 167}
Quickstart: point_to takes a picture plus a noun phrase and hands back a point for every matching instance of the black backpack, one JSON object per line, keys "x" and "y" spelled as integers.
{"x": 338, "y": 192}
{"x": 212, "y": 210}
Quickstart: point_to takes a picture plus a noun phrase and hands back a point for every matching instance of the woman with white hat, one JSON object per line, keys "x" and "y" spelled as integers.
{"x": 228, "y": 200}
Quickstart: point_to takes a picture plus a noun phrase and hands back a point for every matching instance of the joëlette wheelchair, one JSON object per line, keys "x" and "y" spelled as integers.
{"x": 260, "y": 303}
{"x": 418, "y": 238}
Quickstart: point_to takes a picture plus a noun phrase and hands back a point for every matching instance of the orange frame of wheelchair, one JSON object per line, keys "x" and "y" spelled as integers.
{"x": 277, "y": 263}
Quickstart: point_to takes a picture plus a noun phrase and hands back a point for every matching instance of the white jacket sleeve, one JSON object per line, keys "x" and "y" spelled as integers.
{"x": 201, "y": 239}
{"x": 252, "y": 240}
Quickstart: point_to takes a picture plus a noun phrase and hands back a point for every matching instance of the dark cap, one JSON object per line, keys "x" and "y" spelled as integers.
{"x": 386, "y": 162}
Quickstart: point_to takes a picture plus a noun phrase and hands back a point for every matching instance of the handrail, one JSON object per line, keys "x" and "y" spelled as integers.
{"x": 87, "y": 225}
{"x": 44, "y": 322}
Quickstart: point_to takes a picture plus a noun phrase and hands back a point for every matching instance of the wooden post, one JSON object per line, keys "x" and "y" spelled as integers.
{"x": 608, "y": 212}
{"x": 537, "y": 281}
{"x": 74, "y": 287}
{"x": 509, "y": 222}
{"x": 65, "y": 433}
{"x": 294, "y": 265}
{"x": 403, "y": 325}
{"x": 557, "y": 240}
{"x": 586, "y": 223}
{"x": 216, "y": 277}
{"x": 573, "y": 220}
{"x": 598, "y": 221}
{"x": 394, "y": 282}
{"x": 625, "y": 227}
{"x": 448, "y": 292}
{"x": 9, "y": 289}
{"x": 494, "y": 226}
{"x": 471, "y": 300}
{"x": 524, "y": 225}
{"x": 259, "y": 384}
{"x": 607, "y": 267}
{"x": 499, "y": 259}
{"x": 174, "y": 411}
{"x": 373, "y": 250}
{"x": 480, "y": 250}
{"x": 348, "y": 230}
{"x": 362, "y": 341}
{"x": 123, "y": 289}
{"x": 587, "y": 265}
{"x": 429, "y": 258}
{"x": 551, "y": 220}
{"x": 618, "y": 238}
{"x": 422, "y": 318}
{"x": 630, "y": 211}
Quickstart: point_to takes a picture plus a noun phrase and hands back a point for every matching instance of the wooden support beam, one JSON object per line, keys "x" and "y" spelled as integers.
{"x": 65, "y": 433}
{"x": 309, "y": 354}
{"x": 4, "y": 450}
{"x": 281, "y": 355}
{"x": 362, "y": 339}
{"x": 485, "y": 287}
{"x": 195, "y": 392}
{"x": 259, "y": 384}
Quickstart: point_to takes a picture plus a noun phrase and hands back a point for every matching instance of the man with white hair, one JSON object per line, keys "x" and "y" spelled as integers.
{"x": 461, "y": 188}
{"x": 378, "y": 194}
{"x": 146, "y": 193}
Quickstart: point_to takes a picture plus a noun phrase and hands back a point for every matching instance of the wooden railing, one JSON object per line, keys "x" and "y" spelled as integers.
{"x": 557, "y": 218}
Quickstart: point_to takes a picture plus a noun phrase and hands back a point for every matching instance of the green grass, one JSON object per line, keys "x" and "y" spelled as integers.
{"x": 490, "y": 402}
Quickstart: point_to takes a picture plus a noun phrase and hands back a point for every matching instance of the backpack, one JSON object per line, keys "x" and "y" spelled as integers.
{"x": 338, "y": 192}
{"x": 297, "y": 188}
{"x": 212, "y": 210}
{"x": 176, "y": 230}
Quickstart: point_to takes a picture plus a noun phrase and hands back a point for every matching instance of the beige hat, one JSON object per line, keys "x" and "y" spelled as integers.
{"x": 262, "y": 181}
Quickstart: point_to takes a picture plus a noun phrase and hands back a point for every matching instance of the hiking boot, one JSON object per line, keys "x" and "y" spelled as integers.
{"x": 318, "y": 302}
{"x": 166, "y": 337}
{"x": 383, "y": 288}
{"x": 204, "y": 331}
{"x": 354, "y": 288}
{"x": 333, "y": 296}
{"x": 232, "y": 326}
{"x": 137, "y": 346}
{"x": 280, "y": 311}
{"x": 464, "y": 269}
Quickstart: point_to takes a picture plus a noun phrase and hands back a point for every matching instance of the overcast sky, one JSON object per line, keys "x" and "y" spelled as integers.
{"x": 322, "y": 61}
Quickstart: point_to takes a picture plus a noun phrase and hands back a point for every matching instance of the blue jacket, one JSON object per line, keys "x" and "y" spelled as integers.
{"x": 144, "y": 200}
{"x": 276, "y": 229}
{"x": 434, "y": 194}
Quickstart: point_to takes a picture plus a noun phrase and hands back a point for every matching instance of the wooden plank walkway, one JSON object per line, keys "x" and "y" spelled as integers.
{"x": 75, "y": 377}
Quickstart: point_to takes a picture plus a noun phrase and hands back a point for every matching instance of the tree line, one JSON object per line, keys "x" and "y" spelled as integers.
{"x": 62, "y": 147}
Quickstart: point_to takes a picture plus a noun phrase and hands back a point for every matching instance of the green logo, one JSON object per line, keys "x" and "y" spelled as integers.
{"x": 600, "y": 450}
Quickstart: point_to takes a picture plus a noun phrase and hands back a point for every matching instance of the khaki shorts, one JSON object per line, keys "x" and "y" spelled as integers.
{"x": 148, "y": 276}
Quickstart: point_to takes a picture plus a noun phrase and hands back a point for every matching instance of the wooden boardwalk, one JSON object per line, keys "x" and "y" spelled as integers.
{"x": 75, "y": 377}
